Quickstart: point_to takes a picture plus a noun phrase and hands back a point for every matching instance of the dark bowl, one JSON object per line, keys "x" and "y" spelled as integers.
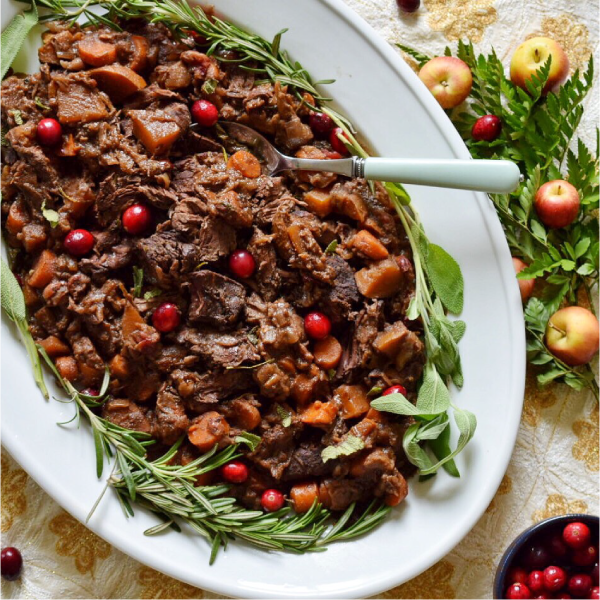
{"x": 537, "y": 530}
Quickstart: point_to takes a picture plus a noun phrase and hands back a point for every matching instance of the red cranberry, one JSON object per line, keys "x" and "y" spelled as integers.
{"x": 317, "y": 325}
{"x": 486, "y": 128}
{"x": 595, "y": 574}
{"x": 408, "y": 6}
{"x": 556, "y": 546}
{"x": 400, "y": 389}
{"x": 535, "y": 581}
{"x": 166, "y": 317}
{"x": 272, "y": 500}
{"x": 336, "y": 143}
{"x": 518, "y": 591}
{"x": 136, "y": 219}
{"x": 321, "y": 124}
{"x": 580, "y": 585}
{"x": 563, "y": 595}
{"x": 536, "y": 556}
{"x": 205, "y": 113}
{"x": 11, "y": 562}
{"x": 49, "y": 132}
{"x": 235, "y": 472}
{"x": 242, "y": 264}
{"x": 585, "y": 556}
{"x": 543, "y": 597}
{"x": 576, "y": 535}
{"x": 79, "y": 242}
{"x": 595, "y": 593}
{"x": 554, "y": 578}
{"x": 90, "y": 392}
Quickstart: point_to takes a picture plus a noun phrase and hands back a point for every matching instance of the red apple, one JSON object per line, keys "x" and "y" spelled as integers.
{"x": 557, "y": 203}
{"x": 573, "y": 335}
{"x": 525, "y": 285}
{"x": 448, "y": 78}
{"x": 531, "y": 55}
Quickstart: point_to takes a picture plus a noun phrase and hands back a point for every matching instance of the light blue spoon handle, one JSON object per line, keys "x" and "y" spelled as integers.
{"x": 493, "y": 176}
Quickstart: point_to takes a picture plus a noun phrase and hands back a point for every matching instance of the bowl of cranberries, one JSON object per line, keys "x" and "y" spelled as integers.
{"x": 557, "y": 558}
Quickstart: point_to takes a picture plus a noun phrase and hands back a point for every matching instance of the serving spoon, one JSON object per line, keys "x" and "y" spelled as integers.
{"x": 492, "y": 176}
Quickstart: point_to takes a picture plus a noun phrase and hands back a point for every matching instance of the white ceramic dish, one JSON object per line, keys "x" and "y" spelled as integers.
{"x": 397, "y": 115}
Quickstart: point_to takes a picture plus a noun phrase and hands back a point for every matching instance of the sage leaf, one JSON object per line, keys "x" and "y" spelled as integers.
{"x": 441, "y": 448}
{"x": 396, "y": 404}
{"x": 11, "y": 295}
{"x": 415, "y": 454}
{"x": 284, "y": 415}
{"x": 250, "y": 439}
{"x": 50, "y": 215}
{"x": 446, "y": 278}
{"x": 14, "y": 36}
{"x": 433, "y": 429}
{"x": 349, "y": 446}
{"x": 138, "y": 281}
{"x": 433, "y": 397}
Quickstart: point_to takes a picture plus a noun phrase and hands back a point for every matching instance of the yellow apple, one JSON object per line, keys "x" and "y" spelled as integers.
{"x": 572, "y": 335}
{"x": 448, "y": 78}
{"x": 525, "y": 285}
{"x": 531, "y": 56}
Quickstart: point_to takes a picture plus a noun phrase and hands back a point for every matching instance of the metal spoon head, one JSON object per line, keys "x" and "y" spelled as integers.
{"x": 272, "y": 158}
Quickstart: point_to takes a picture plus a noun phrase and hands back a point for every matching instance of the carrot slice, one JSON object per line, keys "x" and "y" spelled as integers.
{"x": 328, "y": 352}
{"x": 118, "y": 81}
{"x": 319, "y": 202}
{"x": 208, "y": 431}
{"x": 353, "y": 400}
{"x": 67, "y": 367}
{"x": 54, "y": 346}
{"x": 139, "y": 60}
{"x": 381, "y": 280}
{"x": 244, "y": 162}
{"x": 96, "y": 52}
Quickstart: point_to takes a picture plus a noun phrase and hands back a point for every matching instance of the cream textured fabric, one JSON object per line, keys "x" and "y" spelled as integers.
{"x": 554, "y": 469}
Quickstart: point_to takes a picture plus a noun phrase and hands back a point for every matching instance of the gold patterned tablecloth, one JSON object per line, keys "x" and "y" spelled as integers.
{"x": 554, "y": 469}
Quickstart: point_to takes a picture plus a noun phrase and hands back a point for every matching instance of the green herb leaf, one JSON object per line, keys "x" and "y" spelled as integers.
{"x": 40, "y": 104}
{"x": 16, "y": 114}
{"x": 284, "y": 415}
{"x": 138, "y": 281}
{"x": 50, "y": 215}
{"x": 446, "y": 278}
{"x": 433, "y": 397}
{"x": 209, "y": 86}
{"x": 350, "y": 445}
{"x": 396, "y": 404}
{"x": 14, "y": 36}
{"x": 331, "y": 247}
{"x": 11, "y": 295}
{"x": 152, "y": 294}
{"x": 250, "y": 439}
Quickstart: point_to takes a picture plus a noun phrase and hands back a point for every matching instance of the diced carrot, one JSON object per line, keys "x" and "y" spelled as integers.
{"x": 209, "y": 430}
{"x": 389, "y": 341}
{"x": 30, "y": 295}
{"x": 303, "y": 389}
{"x": 363, "y": 428}
{"x": 118, "y": 81}
{"x": 33, "y": 237}
{"x": 119, "y": 367}
{"x": 350, "y": 204}
{"x": 97, "y": 53}
{"x": 54, "y": 346}
{"x": 244, "y": 162}
{"x": 89, "y": 375}
{"x": 157, "y": 134}
{"x": 139, "y": 59}
{"x": 353, "y": 400}
{"x": 17, "y": 218}
{"x": 67, "y": 367}
{"x": 319, "y": 202}
{"x": 204, "y": 479}
{"x": 132, "y": 321}
{"x": 328, "y": 352}
{"x": 374, "y": 415}
{"x": 369, "y": 245}
{"x": 69, "y": 146}
{"x": 303, "y": 496}
{"x": 319, "y": 413}
{"x": 43, "y": 270}
{"x": 381, "y": 280}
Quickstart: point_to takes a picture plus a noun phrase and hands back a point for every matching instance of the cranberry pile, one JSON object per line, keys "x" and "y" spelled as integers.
{"x": 563, "y": 564}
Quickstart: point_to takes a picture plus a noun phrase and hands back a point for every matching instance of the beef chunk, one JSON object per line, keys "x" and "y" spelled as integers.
{"x": 221, "y": 349}
{"x": 165, "y": 257}
{"x": 273, "y": 381}
{"x": 170, "y": 422}
{"x": 216, "y": 299}
{"x": 267, "y": 274}
{"x": 306, "y": 462}
{"x": 275, "y": 450}
{"x": 125, "y": 413}
{"x": 279, "y": 326}
{"x": 215, "y": 239}
{"x": 339, "y": 299}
